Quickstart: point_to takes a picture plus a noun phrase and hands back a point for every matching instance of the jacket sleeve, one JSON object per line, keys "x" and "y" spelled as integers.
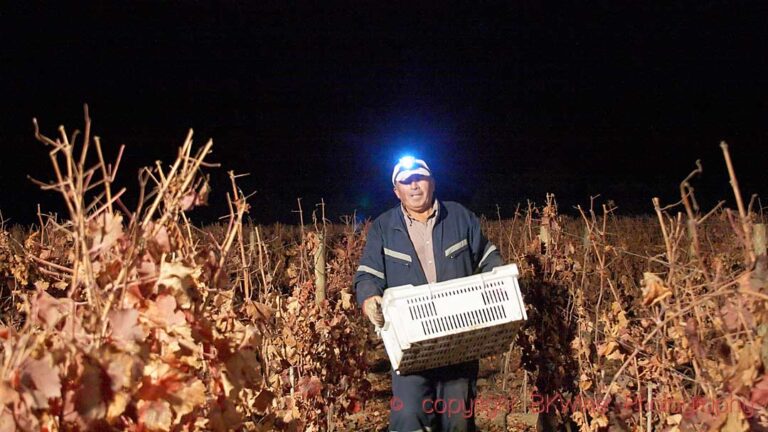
{"x": 485, "y": 255}
{"x": 369, "y": 278}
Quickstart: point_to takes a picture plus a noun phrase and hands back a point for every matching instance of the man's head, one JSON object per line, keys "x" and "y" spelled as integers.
{"x": 413, "y": 184}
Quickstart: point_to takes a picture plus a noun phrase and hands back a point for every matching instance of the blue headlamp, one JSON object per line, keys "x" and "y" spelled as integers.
{"x": 408, "y": 166}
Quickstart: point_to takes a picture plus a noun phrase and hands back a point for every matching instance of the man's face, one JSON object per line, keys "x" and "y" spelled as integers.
{"x": 415, "y": 192}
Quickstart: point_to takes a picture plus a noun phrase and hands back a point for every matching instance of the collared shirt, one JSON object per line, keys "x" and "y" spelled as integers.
{"x": 421, "y": 237}
{"x": 389, "y": 258}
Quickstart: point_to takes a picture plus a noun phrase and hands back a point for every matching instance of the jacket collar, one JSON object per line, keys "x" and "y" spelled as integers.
{"x": 397, "y": 216}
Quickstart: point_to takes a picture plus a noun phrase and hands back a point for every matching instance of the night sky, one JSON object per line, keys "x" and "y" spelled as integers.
{"x": 505, "y": 101}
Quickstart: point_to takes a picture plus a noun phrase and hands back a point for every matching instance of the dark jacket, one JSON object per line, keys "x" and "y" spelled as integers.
{"x": 390, "y": 260}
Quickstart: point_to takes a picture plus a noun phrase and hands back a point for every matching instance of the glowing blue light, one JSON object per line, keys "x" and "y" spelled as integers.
{"x": 407, "y": 162}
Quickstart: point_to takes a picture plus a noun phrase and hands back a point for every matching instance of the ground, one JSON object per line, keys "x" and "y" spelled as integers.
{"x": 491, "y": 405}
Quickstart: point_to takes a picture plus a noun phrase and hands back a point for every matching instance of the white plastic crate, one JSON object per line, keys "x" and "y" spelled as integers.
{"x": 450, "y": 322}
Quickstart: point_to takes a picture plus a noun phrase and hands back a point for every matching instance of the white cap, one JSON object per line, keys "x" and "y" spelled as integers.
{"x": 408, "y": 166}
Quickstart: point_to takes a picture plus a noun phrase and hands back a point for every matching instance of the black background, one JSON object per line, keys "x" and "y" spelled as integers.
{"x": 505, "y": 101}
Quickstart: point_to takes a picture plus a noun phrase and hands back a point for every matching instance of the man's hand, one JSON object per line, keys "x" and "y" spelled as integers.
{"x": 372, "y": 309}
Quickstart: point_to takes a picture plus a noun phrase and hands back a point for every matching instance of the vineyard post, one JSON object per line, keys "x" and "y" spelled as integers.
{"x": 649, "y": 418}
{"x": 758, "y": 239}
{"x": 545, "y": 237}
{"x": 330, "y": 425}
{"x": 252, "y": 247}
{"x": 506, "y": 356}
{"x": 246, "y": 263}
{"x": 320, "y": 269}
{"x": 525, "y": 391}
{"x": 320, "y": 281}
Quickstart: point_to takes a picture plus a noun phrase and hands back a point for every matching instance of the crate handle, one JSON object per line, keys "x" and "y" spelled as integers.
{"x": 385, "y": 327}
{"x": 431, "y": 295}
{"x": 482, "y": 280}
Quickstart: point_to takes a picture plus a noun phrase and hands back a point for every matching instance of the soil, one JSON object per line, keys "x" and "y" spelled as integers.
{"x": 494, "y": 406}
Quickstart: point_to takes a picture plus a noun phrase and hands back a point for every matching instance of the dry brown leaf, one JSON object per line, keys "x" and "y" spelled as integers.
{"x": 7, "y": 423}
{"x": 735, "y": 316}
{"x": 105, "y": 230}
{"x": 51, "y": 310}
{"x": 41, "y": 377}
{"x": 147, "y": 267}
{"x": 90, "y": 401}
{"x": 73, "y": 329}
{"x": 155, "y": 415}
{"x": 162, "y": 240}
{"x": 242, "y": 369}
{"x": 620, "y": 315}
{"x": 189, "y": 397}
{"x": 117, "y": 405}
{"x": 163, "y": 312}
{"x": 202, "y": 194}
{"x": 258, "y": 311}
{"x": 735, "y": 422}
{"x": 585, "y": 383}
{"x": 125, "y": 326}
{"x": 8, "y": 396}
{"x": 195, "y": 198}
{"x": 156, "y": 374}
{"x": 654, "y": 289}
{"x": 224, "y": 416}
{"x": 309, "y": 387}
{"x": 180, "y": 280}
{"x": 674, "y": 420}
{"x": 262, "y": 402}
{"x": 606, "y": 349}
{"x": 580, "y": 419}
{"x": 346, "y": 300}
{"x": 746, "y": 370}
{"x": 123, "y": 369}
{"x": 598, "y": 421}
{"x": 759, "y": 394}
{"x": 188, "y": 200}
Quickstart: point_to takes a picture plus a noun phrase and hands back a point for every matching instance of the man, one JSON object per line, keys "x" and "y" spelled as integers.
{"x": 420, "y": 241}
